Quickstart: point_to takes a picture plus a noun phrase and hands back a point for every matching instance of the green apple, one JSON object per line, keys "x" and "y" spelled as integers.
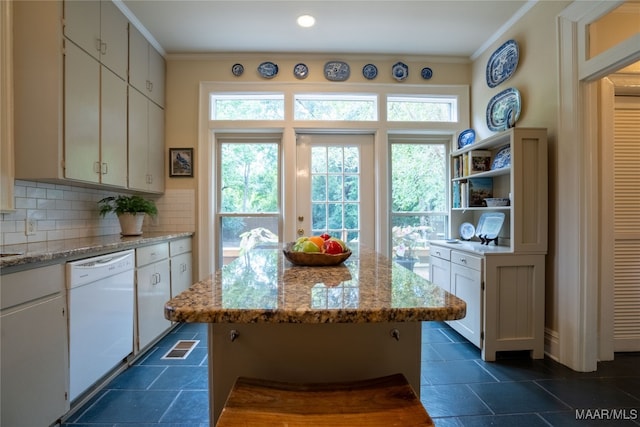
{"x": 309, "y": 246}
{"x": 297, "y": 245}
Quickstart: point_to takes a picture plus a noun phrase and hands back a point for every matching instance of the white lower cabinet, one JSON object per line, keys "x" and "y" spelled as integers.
{"x": 181, "y": 265}
{"x": 504, "y": 293}
{"x": 153, "y": 290}
{"x": 34, "y": 347}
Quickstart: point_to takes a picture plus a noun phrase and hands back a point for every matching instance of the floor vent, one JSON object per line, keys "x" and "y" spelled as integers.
{"x": 181, "y": 349}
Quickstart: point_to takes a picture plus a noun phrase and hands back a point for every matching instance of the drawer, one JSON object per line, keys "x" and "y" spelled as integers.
{"x": 29, "y": 285}
{"x": 180, "y": 246}
{"x": 466, "y": 259}
{"x": 440, "y": 252}
{"x": 149, "y": 254}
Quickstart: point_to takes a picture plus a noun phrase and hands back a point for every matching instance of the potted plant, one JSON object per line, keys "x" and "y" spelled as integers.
{"x": 130, "y": 211}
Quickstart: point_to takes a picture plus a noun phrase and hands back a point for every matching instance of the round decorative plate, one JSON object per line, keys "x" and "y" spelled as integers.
{"x": 502, "y": 63}
{"x": 503, "y": 110}
{"x": 301, "y": 71}
{"x": 466, "y": 137}
{"x": 337, "y": 71}
{"x": 400, "y": 71}
{"x": 370, "y": 71}
{"x": 502, "y": 158}
{"x": 467, "y": 230}
{"x": 426, "y": 73}
{"x": 268, "y": 70}
{"x": 237, "y": 69}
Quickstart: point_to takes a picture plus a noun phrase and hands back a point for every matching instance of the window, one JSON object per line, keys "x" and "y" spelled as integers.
{"x": 335, "y": 107}
{"x": 421, "y": 109}
{"x": 418, "y": 200}
{"x": 254, "y": 106}
{"x": 248, "y": 202}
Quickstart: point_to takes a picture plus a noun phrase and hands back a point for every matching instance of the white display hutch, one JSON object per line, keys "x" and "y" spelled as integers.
{"x": 502, "y": 282}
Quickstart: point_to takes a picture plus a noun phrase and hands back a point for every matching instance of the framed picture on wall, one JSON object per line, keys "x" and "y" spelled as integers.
{"x": 180, "y": 162}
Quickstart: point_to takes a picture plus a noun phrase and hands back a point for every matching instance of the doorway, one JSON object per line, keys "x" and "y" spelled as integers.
{"x": 335, "y": 189}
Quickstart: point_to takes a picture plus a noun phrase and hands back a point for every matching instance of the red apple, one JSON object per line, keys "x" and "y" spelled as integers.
{"x": 332, "y": 247}
{"x": 325, "y": 236}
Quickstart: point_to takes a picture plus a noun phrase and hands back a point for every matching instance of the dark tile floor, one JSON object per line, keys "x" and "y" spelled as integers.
{"x": 458, "y": 388}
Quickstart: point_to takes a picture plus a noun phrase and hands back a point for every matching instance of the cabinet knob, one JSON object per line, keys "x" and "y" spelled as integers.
{"x": 463, "y": 260}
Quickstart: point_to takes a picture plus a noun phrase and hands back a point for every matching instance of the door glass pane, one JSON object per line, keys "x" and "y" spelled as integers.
{"x": 335, "y": 191}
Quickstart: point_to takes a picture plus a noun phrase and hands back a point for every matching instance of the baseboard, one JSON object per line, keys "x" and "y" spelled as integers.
{"x": 552, "y": 344}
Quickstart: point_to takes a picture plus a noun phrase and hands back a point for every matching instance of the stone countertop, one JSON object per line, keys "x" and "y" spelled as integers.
{"x": 263, "y": 287}
{"x": 24, "y": 255}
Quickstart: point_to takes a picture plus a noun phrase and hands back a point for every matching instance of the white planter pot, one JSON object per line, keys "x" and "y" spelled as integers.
{"x": 131, "y": 224}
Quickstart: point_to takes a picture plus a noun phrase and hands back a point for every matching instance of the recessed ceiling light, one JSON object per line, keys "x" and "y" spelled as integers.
{"x": 306, "y": 21}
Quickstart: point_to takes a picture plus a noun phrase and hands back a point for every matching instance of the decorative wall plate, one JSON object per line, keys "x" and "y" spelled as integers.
{"x": 400, "y": 71}
{"x": 426, "y": 73}
{"x": 503, "y": 110}
{"x": 337, "y": 71}
{"x": 370, "y": 71}
{"x": 502, "y": 159}
{"x": 466, "y": 137}
{"x": 237, "y": 69}
{"x": 502, "y": 63}
{"x": 268, "y": 70}
{"x": 301, "y": 71}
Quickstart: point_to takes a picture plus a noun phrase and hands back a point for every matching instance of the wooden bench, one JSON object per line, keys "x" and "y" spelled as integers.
{"x": 378, "y": 402}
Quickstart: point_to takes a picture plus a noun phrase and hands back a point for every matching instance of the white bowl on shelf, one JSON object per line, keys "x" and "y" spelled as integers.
{"x": 496, "y": 201}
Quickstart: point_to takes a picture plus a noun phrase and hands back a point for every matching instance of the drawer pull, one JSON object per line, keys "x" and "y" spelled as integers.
{"x": 438, "y": 253}
{"x": 463, "y": 260}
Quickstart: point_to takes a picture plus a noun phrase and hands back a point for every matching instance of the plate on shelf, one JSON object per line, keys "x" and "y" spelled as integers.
{"x": 400, "y": 71}
{"x": 503, "y": 110}
{"x": 502, "y": 159}
{"x": 301, "y": 71}
{"x": 489, "y": 225}
{"x": 502, "y": 63}
{"x": 337, "y": 71}
{"x": 370, "y": 71}
{"x": 467, "y": 230}
{"x": 268, "y": 70}
{"x": 466, "y": 137}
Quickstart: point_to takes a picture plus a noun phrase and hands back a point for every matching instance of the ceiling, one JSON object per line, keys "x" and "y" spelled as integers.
{"x": 459, "y": 28}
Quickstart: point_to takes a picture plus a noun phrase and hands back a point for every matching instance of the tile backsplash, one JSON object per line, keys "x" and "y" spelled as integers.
{"x": 66, "y": 212}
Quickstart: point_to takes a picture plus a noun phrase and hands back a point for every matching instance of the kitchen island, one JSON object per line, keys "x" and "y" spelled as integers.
{"x": 272, "y": 320}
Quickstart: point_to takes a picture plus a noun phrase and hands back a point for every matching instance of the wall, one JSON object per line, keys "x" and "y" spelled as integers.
{"x": 66, "y": 212}
{"x": 536, "y": 79}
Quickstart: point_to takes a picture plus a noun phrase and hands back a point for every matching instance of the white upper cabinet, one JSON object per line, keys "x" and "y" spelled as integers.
{"x": 146, "y": 67}
{"x": 100, "y": 29}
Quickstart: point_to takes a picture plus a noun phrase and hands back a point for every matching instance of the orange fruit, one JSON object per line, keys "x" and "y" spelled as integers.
{"x": 317, "y": 240}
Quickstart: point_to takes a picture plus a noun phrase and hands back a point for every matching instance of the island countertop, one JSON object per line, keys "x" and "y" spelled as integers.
{"x": 262, "y": 286}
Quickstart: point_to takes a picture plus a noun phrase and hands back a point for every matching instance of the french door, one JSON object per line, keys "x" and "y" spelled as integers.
{"x": 335, "y": 191}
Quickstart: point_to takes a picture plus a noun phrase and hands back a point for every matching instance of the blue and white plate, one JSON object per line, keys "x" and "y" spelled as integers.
{"x": 489, "y": 224}
{"x": 426, "y": 73}
{"x": 370, "y": 71}
{"x": 301, "y": 71}
{"x": 237, "y": 70}
{"x": 268, "y": 70}
{"x": 337, "y": 71}
{"x": 466, "y": 137}
{"x": 502, "y": 159}
{"x": 467, "y": 231}
{"x": 503, "y": 110}
{"x": 502, "y": 63}
{"x": 400, "y": 71}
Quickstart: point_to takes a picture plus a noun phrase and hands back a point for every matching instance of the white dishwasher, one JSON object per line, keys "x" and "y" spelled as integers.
{"x": 101, "y": 303}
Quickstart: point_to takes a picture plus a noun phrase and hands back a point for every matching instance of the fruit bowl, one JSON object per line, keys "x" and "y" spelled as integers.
{"x": 314, "y": 259}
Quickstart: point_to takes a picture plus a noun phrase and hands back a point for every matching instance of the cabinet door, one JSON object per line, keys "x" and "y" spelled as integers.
{"x": 156, "y": 76}
{"x": 153, "y": 291}
{"x": 113, "y": 141}
{"x": 181, "y": 273}
{"x": 138, "y": 60}
{"x": 155, "y": 153}
{"x": 440, "y": 272}
{"x": 114, "y": 37}
{"x": 35, "y": 364}
{"x": 82, "y": 115}
{"x": 466, "y": 283}
{"x": 138, "y": 140}
{"x": 82, "y": 25}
